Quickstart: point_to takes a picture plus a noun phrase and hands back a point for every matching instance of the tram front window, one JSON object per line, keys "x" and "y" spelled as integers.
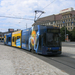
{"x": 53, "y": 39}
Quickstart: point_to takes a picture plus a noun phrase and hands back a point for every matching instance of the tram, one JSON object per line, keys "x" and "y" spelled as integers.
{"x": 38, "y": 39}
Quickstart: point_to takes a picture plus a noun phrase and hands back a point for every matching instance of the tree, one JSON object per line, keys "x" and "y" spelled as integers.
{"x": 62, "y": 31}
{"x": 73, "y": 35}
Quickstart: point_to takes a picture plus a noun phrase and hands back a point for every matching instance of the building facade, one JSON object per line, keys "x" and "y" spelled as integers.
{"x": 66, "y": 18}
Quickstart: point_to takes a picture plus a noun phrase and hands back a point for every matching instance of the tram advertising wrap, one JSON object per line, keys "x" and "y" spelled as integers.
{"x": 16, "y": 39}
{"x": 38, "y": 39}
{"x": 7, "y": 39}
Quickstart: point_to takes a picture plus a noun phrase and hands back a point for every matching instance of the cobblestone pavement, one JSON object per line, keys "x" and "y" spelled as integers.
{"x": 14, "y": 61}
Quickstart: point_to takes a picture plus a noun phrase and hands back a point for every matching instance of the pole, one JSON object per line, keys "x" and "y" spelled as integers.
{"x": 26, "y": 25}
{"x": 35, "y": 17}
{"x": 65, "y": 33}
{"x": 65, "y": 30}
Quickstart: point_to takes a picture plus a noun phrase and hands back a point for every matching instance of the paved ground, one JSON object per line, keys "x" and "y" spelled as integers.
{"x": 68, "y": 48}
{"x": 69, "y": 51}
{"x": 68, "y": 44}
{"x": 14, "y": 61}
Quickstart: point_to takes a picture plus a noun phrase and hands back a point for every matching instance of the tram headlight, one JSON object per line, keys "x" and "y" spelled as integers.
{"x": 59, "y": 48}
{"x": 49, "y": 49}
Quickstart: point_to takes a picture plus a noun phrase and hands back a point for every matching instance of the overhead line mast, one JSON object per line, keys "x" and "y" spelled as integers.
{"x": 37, "y": 11}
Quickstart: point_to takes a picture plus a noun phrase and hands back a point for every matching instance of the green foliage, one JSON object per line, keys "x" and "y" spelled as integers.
{"x": 62, "y": 31}
{"x": 73, "y": 35}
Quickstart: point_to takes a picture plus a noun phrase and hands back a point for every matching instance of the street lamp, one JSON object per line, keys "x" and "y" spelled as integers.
{"x": 37, "y": 11}
{"x": 26, "y": 25}
{"x": 65, "y": 30}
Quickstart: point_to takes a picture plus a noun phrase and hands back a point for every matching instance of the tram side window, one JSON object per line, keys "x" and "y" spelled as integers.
{"x": 23, "y": 39}
{"x": 44, "y": 39}
{"x": 26, "y": 39}
{"x": 2, "y": 38}
{"x": 13, "y": 39}
{"x": 39, "y": 42}
{"x": 9, "y": 39}
{"x": 18, "y": 37}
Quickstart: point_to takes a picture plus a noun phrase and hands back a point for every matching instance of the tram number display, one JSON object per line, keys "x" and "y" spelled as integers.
{"x": 52, "y": 31}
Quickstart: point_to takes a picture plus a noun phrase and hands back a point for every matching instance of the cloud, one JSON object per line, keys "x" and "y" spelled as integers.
{"x": 26, "y": 8}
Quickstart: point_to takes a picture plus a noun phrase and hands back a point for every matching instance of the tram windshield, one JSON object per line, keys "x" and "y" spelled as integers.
{"x": 53, "y": 39}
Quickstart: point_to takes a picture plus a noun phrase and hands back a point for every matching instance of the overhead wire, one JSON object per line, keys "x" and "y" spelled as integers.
{"x": 26, "y": 18}
{"x": 17, "y": 17}
{"x": 48, "y": 5}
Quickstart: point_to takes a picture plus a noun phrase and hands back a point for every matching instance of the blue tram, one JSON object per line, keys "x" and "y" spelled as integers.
{"x": 25, "y": 38}
{"x": 42, "y": 40}
{"x": 7, "y": 39}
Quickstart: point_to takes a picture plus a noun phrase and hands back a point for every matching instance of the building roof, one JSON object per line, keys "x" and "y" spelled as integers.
{"x": 45, "y": 19}
{"x": 73, "y": 12}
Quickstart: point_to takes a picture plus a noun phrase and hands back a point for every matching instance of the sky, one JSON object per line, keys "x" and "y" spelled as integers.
{"x": 25, "y": 9}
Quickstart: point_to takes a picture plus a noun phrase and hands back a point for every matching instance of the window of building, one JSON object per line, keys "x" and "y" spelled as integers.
{"x": 51, "y": 22}
{"x": 68, "y": 16}
{"x": 65, "y": 20}
{"x": 65, "y": 16}
{"x": 71, "y": 24}
{"x": 69, "y": 19}
{"x": 71, "y": 27}
{"x": 72, "y": 15}
{"x": 68, "y": 28}
{"x": 68, "y": 24}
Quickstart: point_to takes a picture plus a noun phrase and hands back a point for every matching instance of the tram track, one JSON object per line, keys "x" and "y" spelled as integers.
{"x": 70, "y": 62}
{"x": 62, "y": 62}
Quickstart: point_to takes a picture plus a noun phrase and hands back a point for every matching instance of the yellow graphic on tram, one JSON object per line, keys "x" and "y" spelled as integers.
{"x": 16, "y": 39}
{"x": 33, "y": 37}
